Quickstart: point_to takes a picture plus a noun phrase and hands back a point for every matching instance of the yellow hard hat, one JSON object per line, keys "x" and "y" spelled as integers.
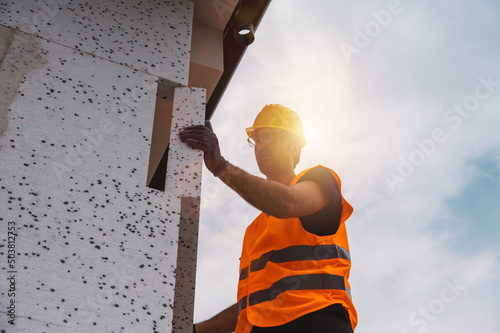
{"x": 278, "y": 116}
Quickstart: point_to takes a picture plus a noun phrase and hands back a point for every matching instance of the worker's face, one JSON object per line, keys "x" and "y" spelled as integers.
{"x": 274, "y": 150}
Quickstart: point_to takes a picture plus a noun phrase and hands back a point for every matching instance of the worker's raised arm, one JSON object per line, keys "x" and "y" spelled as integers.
{"x": 274, "y": 198}
{"x": 269, "y": 196}
{"x": 224, "y": 322}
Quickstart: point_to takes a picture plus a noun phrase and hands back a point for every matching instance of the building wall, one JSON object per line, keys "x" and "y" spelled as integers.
{"x": 92, "y": 248}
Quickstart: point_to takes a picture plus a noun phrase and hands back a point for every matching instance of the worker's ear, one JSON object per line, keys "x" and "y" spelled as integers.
{"x": 296, "y": 149}
{"x": 296, "y": 145}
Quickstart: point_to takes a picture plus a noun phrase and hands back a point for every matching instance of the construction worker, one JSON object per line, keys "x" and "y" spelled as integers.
{"x": 295, "y": 261}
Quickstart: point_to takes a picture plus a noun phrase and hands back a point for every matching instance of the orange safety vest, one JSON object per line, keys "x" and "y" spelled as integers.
{"x": 287, "y": 272}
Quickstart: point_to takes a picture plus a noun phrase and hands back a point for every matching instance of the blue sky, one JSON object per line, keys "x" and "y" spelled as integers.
{"x": 409, "y": 121}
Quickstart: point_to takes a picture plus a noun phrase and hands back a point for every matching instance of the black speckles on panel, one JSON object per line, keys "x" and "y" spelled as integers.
{"x": 184, "y": 168}
{"x": 97, "y": 249}
{"x": 144, "y": 35}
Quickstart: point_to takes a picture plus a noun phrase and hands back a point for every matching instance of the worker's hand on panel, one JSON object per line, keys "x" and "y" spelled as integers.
{"x": 202, "y": 137}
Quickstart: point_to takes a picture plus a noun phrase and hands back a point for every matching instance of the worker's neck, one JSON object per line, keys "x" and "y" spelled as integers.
{"x": 284, "y": 178}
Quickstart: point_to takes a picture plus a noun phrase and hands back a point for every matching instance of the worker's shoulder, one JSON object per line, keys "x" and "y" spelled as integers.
{"x": 317, "y": 170}
{"x": 321, "y": 175}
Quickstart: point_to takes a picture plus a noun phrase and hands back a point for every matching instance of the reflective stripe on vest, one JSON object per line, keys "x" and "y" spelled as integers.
{"x": 295, "y": 282}
{"x": 296, "y": 253}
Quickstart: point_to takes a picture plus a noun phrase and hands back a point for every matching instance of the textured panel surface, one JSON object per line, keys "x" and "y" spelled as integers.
{"x": 184, "y": 171}
{"x": 186, "y": 265}
{"x": 184, "y": 178}
{"x": 152, "y": 36}
{"x": 96, "y": 250}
